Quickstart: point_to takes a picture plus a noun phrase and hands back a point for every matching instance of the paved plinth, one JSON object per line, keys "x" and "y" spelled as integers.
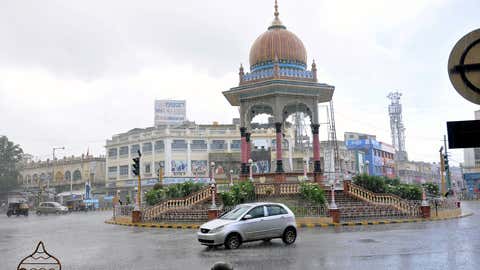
{"x": 83, "y": 241}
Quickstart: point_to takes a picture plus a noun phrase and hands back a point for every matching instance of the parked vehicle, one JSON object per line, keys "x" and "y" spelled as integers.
{"x": 76, "y": 205}
{"x": 51, "y": 208}
{"x": 250, "y": 222}
{"x": 17, "y": 208}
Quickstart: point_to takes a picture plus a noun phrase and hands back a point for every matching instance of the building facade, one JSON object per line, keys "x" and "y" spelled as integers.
{"x": 68, "y": 171}
{"x": 417, "y": 172}
{"x": 471, "y": 168}
{"x": 379, "y": 156}
{"x": 185, "y": 152}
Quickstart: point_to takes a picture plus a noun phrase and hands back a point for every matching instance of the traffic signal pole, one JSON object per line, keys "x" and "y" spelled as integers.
{"x": 442, "y": 173}
{"x": 447, "y": 167}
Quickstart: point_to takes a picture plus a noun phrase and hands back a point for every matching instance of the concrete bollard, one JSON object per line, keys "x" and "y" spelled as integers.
{"x": 222, "y": 266}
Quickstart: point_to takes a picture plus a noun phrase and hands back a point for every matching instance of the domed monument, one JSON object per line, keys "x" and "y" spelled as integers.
{"x": 278, "y": 84}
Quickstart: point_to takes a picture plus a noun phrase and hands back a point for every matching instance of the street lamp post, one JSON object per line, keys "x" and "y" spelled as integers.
{"x": 250, "y": 163}
{"x": 333, "y": 205}
{"x": 231, "y": 177}
{"x": 305, "y": 168}
{"x": 212, "y": 184}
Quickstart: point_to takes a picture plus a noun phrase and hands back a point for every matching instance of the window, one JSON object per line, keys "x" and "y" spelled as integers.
{"x": 257, "y": 212}
{"x": 198, "y": 145}
{"x": 123, "y": 151}
{"x": 77, "y": 175}
{"x": 68, "y": 176}
{"x": 147, "y": 147}
{"x": 148, "y": 169}
{"x": 218, "y": 145}
{"x": 134, "y": 149}
{"x": 112, "y": 152}
{"x": 179, "y": 145}
{"x": 159, "y": 147}
{"x": 274, "y": 210}
{"x": 112, "y": 171}
{"x": 235, "y": 145}
{"x": 124, "y": 170}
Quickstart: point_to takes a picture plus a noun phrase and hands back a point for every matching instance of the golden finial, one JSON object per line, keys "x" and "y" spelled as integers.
{"x": 276, "y": 21}
{"x": 276, "y": 9}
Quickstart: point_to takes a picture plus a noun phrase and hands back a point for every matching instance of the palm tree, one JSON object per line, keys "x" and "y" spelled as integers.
{"x": 10, "y": 156}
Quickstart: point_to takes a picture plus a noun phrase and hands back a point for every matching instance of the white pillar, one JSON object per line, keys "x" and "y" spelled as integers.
{"x": 168, "y": 156}
{"x": 228, "y": 146}
{"x": 290, "y": 154}
{"x": 189, "y": 161}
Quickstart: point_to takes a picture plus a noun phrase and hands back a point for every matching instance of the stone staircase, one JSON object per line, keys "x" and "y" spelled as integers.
{"x": 354, "y": 209}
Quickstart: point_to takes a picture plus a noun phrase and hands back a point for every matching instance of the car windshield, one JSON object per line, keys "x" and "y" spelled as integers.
{"x": 235, "y": 213}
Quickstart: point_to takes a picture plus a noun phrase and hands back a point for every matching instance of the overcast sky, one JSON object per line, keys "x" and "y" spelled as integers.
{"x": 74, "y": 73}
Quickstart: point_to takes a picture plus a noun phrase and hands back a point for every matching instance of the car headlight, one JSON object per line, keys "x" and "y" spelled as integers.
{"x": 217, "y": 229}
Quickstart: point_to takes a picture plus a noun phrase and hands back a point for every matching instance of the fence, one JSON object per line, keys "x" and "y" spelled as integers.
{"x": 123, "y": 210}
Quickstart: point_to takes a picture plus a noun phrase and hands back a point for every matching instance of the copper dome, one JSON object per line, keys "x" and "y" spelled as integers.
{"x": 278, "y": 43}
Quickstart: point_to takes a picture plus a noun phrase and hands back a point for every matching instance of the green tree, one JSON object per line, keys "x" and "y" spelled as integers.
{"x": 10, "y": 156}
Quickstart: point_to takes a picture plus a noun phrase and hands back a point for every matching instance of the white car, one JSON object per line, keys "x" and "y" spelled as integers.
{"x": 250, "y": 222}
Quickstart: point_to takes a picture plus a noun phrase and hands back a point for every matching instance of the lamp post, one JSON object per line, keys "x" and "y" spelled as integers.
{"x": 333, "y": 205}
{"x": 231, "y": 177}
{"x": 305, "y": 168}
{"x": 212, "y": 184}
{"x": 53, "y": 168}
{"x": 368, "y": 168}
{"x": 250, "y": 164}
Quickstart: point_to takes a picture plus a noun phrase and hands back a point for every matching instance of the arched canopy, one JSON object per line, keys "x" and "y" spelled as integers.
{"x": 292, "y": 108}
{"x": 257, "y": 109}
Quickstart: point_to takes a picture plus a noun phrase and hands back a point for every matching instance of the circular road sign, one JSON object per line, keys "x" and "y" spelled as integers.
{"x": 464, "y": 66}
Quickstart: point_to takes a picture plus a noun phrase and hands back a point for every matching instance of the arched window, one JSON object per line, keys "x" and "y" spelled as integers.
{"x": 77, "y": 175}
{"x": 43, "y": 177}
{"x": 35, "y": 179}
{"x": 58, "y": 177}
{"x": 68, "y": 176}
{"x": 20, "y": 179}
{"x": 29, "y": 179}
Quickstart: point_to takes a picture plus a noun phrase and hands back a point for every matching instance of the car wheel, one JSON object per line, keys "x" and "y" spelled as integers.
{"x": 289, "y": 236}
{"x": 39, "y": 213}
{"x": 9, "y": 214}
{"x": 233, "y": 241}
{"x": 57, "y": 212}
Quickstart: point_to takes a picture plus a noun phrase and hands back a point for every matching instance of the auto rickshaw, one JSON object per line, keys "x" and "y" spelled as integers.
{"x": 76, "y": 205}
{"x": 17, "y": 208}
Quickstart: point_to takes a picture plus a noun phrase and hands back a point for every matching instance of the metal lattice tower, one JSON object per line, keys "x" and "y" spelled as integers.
{"x": 396, "y": 125}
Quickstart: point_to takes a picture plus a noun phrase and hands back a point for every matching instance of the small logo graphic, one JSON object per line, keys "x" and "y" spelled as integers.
{"x": 40, "y": 259}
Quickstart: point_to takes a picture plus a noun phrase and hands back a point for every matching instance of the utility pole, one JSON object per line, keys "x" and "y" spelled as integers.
{"x": 443, "y": 189}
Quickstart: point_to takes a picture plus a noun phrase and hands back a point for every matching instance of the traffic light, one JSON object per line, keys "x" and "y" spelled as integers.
{"x": 445, "y": 158}
{"x": 136, "y": 166}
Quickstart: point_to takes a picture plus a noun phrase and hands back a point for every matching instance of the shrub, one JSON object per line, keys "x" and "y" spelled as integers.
{"x": 406, "y": 191}
{"x": 431, "y": 189}
{"x": 159, "y": 193}
{"x": 371, "y": 182}
{"x": 312, "y": 193}
{"x": 239, "y": 193}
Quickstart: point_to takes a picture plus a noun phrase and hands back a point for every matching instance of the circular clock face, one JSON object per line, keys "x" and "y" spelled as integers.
{"x": 464, "y": 66}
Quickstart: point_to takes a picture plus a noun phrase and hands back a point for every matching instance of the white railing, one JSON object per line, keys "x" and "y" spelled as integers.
{"x": 411, "y": 208}
{"x": 162, "y": 207}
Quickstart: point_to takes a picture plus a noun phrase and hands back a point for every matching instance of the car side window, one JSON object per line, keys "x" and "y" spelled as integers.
{"x": 274, "y": 210}
{"x": 257, "y": 212}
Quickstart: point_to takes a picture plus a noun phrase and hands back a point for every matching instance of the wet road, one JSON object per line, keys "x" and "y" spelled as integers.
{"x": 83, "y": 241}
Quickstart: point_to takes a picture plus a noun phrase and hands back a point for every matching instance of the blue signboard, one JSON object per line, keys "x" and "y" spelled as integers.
{"x": 178, "y": 180}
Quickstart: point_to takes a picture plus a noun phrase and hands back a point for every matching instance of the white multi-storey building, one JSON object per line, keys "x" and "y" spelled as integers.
{"x": 186, "y": 152}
